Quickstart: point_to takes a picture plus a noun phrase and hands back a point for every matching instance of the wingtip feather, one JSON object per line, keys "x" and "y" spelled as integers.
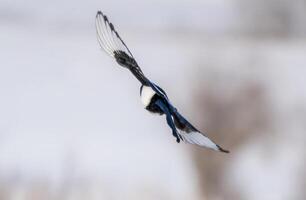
{"x": 222, "y": 150}
{"x": 109, "y": 37}
{"x": 99, "y": 13}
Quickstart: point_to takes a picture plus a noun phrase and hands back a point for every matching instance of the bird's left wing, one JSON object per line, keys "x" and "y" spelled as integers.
{"x": 111, "y": 42}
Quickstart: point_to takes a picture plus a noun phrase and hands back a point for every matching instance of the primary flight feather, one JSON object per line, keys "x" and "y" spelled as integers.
{"x": 154, "y": 98}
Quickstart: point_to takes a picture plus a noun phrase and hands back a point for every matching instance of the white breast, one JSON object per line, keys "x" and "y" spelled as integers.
{"x": 146, "y": 95}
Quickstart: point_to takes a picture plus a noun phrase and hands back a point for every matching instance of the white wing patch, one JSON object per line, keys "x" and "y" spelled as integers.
{"x": 199, "y": 139}
{"x": 108, "y": 37}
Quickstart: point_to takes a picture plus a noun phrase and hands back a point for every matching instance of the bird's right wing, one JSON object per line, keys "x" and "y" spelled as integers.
{"x": 191, "y": 135}
{"x": 113, "y": 45}
{"x": 183, "y": 128}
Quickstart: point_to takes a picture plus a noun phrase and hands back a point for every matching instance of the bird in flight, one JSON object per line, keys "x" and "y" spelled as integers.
{"x": 153, "y": 97}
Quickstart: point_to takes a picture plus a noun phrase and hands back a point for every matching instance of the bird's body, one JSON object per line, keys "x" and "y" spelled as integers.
{"x": 153, "y": 97}
{"x": 146, "y": 95}
{"x": 149, "y": 98}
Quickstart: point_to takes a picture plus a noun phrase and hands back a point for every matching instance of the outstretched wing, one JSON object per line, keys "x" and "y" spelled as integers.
{"x": 113, "y": 45}
{"x": 191, "y": 135}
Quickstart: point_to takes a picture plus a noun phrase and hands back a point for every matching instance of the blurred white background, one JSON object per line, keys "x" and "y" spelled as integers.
{"x": 72, "y": 125}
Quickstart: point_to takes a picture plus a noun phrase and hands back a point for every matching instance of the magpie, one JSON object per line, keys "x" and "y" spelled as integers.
{"x": 153, "y": 97}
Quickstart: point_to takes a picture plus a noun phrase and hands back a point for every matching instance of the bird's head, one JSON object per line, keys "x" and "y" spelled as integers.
{"x": 123, "y": 58}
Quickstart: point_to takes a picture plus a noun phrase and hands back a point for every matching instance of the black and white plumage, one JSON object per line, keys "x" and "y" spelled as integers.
{"x": 152, "y": 96}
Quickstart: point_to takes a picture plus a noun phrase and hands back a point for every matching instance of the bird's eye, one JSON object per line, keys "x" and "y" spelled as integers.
{"x": 121, "y": 60}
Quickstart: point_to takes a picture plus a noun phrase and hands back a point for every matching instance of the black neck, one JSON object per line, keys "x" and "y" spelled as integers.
{"x": 139, "y": 75}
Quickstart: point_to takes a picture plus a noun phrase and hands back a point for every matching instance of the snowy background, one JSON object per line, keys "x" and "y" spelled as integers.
{"x": 72, "y": 125}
